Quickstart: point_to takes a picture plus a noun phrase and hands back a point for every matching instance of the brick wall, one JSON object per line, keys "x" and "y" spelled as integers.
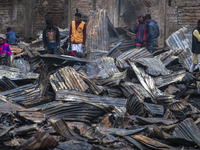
{"x": 181, "y": 13}
{"x": 54, "y": 9}
{"x": 27, "y": 17}
{"x": 12, "y": 15}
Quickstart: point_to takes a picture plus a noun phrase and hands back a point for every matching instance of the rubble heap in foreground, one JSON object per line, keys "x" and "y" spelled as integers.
{"x": 139, "y": 101}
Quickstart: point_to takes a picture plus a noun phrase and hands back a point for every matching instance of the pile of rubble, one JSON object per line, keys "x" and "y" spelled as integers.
{"x": 122, "y": 98}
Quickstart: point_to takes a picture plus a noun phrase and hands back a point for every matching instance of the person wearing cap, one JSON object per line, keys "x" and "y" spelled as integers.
{"x": 11, "y": 37}
{"x": 51, "y": 38}
{"x": 141, "y": 30}
{"x": 77, "y": 35}
{"x": 5, "y": 51}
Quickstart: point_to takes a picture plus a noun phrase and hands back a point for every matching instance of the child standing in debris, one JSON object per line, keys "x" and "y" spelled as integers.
{"x": 5, "y": 51}
{"x": 11, "y": 37}
{"x": 51, "y": 38}
{"x": 77, "y": 35}
{"x": 196, "y": 48}
{"x": 141, "y": 30}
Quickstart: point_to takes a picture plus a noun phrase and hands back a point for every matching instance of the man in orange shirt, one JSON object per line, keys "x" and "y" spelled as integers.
{"x": 77, "y": 35}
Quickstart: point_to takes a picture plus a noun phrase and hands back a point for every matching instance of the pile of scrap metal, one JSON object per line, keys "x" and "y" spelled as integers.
{"x": 129, "y": 100}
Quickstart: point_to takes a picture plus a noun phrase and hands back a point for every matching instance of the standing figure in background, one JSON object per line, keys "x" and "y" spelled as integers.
{"x": 154, "y": 32}
{"x": 5, "y": 51}
{"x": 77, "y": 35}
{"x": 141, "y": 30}
{"x": 196, "y": 48}
{"x": 51, "y": 38}
{"x": 11, "y": 37}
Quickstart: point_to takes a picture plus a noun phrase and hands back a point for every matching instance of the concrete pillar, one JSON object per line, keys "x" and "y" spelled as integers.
{"x": 66, "y": 7}
{"x": 28, "y": 19}
{"x": 162, "y": 22}
{"x": 116, "y": 10}
{"x": 69, "y": 13}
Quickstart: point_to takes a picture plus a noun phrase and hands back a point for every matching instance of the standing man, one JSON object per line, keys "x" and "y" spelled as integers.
{"x": 154, "y": 32}
{"x": 77, "y": 35}
{"x": 196, "y": 48}
{"x": 51, "y": 38}
{"x": 141, "y": 30}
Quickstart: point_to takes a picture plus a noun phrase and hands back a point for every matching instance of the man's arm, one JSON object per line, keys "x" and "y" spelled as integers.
{"x": 57, "y": 37}
{"x": 135, "y": 28}
{"x": 148, "y": 33}
{"x": 196, "y": 34}
{"x": 16, "y": 35}
{"x": 151, "y": 30}
{"x": 44, "y": 39}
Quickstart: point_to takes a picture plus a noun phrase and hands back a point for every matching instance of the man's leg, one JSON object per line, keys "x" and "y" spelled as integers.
{"x": 150, "y": 48}
{"x": 79, "y": 51}
{"x": 194, "y": 63}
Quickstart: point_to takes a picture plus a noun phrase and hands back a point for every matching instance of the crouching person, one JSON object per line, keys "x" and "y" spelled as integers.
{"x": 5, "y": 51}
{"x": 11, "y": 37}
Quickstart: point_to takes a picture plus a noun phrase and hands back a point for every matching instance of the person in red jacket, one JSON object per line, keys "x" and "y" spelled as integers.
{"x": 141, "y": 30}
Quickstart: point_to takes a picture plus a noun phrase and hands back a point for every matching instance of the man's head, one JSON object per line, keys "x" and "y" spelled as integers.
{"x": 148, "y": 18}
{"x": 49, "y": 23}
{"x": 140, "y": 18}
{"x": 77, "y": 16}
{"x": 8, "y": 29}
{"x": 198, "y": 24}
{"x": 1, "y": 40}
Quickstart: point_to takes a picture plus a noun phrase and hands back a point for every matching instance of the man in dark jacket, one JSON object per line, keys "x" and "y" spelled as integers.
{"x": 141, "y": 30}
{"x": 154, "y": 32}
{"x": 51, "y": 38}
{"x": 11, "y": 37}
{"x": 196, "y": 47}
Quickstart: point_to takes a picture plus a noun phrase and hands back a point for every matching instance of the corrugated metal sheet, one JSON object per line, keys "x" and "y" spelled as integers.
{"x": 40, "y": 140}
{"x": 23, "y": 65}
{"x": 149, "y": 85}
{"x": 16, "y": 74}
{"x": 92, "y": 86}
{"x": 181, "y": 39}
{"x": 134, "y": 106}
{"x": 7, "y": 84}
{"x": 167, "y": 61}
{"x": 154, "y": 67}
{"x": 63, "y": 129}
{"x": 168, "y": 54}
{"x": 187, "y": 130}
{"x": 82, "y": 112}
{"x": 105, "y": 72}
{"x": 168, "y": 79}
{"x": 129, "y": 88}
{"x": 67, "y": 79}
{"x": 185, "y": 59}
{"x": 98, "y": 36}
{"x": 72, "y": 96}
{"x": 132, "y": 55}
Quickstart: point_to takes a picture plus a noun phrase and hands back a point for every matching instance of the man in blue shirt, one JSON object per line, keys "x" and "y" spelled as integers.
{"x": 154, "y": 32}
